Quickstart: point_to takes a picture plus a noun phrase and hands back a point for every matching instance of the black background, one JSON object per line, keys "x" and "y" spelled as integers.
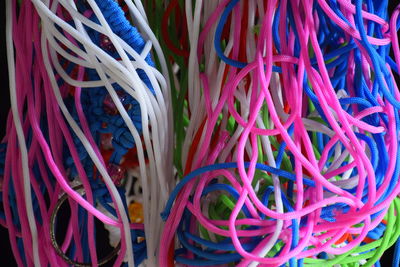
{"x": 6, "y": 256}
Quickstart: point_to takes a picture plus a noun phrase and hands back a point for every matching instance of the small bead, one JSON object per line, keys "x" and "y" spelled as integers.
{"x": 117, "y": 173}
{"x": 106, "y": 43}
{"x": 109, "y": 106}
{"x": 136, "y": 212}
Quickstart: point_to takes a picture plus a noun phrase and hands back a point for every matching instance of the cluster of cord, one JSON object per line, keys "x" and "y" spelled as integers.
{"x": 89, "y": 112}
{"x": 287, "y": 132}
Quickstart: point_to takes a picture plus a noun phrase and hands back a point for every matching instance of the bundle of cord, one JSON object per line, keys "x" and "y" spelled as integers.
{"x": 290, "y": 153}
{"x": 167, "y": 19}
{"x": 90, "y": 123}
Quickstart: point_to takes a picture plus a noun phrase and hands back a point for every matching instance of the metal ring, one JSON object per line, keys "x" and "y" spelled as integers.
{"x": 57, "y": 247}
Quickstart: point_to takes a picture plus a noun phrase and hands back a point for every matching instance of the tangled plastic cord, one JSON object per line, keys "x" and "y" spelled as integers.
{"x": 291, "y": 148}
{"x": 87, "y": 104}
{"x": 280, "y": 120}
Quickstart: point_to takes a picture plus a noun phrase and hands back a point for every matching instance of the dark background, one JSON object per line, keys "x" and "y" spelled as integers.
{"x": 6, "y": 256}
